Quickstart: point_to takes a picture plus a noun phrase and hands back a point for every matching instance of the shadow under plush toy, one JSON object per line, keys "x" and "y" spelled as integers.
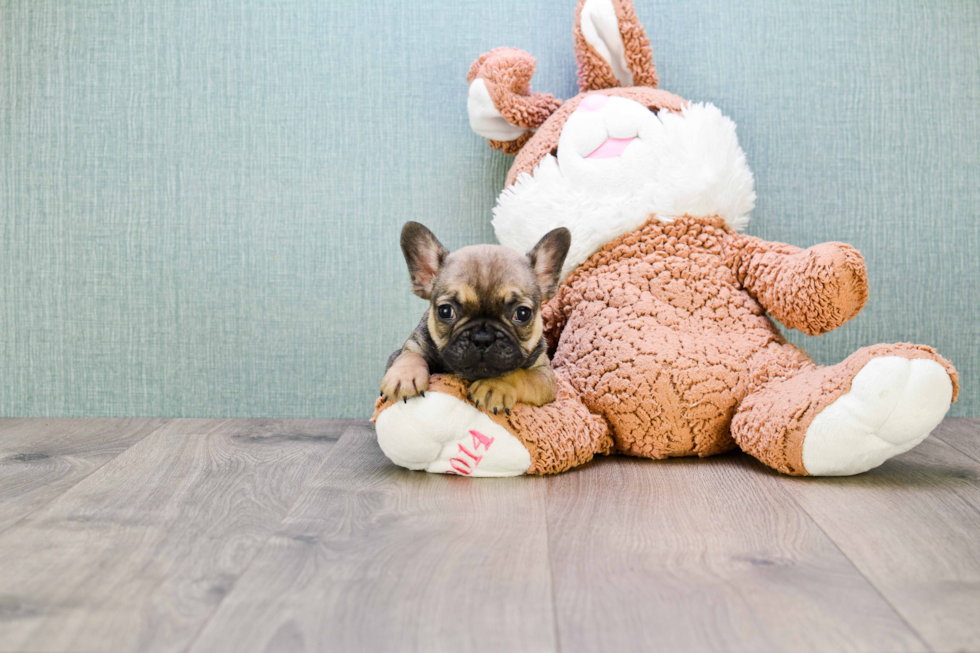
{"x": 661, "y": 341}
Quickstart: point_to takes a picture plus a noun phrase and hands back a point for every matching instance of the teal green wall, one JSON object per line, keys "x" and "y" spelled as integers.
{"x": 200, "y": 200}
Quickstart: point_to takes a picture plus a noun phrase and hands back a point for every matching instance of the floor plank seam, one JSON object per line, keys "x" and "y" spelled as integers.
{"x": 551, "y": 567}
{"x": 871, "y": 583}
{"x": 953, "y": 446}
{"x": 77, "y": 482}
{"x": 259, "y": 549}
{"x": 968, "y": 504}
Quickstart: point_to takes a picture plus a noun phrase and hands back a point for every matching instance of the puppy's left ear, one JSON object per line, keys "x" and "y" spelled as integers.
{"x": 547, "y": 257}
{"x": 424, "y": 255}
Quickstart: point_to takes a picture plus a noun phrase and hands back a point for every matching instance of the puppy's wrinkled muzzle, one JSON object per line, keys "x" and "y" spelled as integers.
{"x": 483, "y": 351}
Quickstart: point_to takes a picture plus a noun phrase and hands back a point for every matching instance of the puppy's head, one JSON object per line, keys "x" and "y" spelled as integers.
{"x": 485, "y": 313}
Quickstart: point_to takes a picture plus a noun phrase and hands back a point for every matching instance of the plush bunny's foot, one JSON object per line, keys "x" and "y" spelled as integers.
{"x": 442, "y": 434}
{"x": 893, "y": 404}
{"x": 846, "y": 418}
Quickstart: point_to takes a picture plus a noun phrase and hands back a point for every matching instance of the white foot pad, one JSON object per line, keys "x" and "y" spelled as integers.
{"x": 441, "y": 434}
{"x": 893, "y": 404}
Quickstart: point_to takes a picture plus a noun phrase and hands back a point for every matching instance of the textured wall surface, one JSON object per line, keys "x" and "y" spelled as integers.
{"x": 200, "y": 201}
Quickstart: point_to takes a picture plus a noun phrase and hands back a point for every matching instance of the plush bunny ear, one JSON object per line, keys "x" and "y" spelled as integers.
{"x": 611, "y": 47}
{"x": 500, "y": 103}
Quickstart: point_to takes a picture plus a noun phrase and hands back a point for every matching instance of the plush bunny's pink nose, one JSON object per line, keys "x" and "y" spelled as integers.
{"x": 593, "y": 102}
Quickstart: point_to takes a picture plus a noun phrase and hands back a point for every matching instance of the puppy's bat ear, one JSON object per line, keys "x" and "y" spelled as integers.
{"x": 500, "y": 103}
{"x": 424, "y": 255}
{"x": 547, "y": 257}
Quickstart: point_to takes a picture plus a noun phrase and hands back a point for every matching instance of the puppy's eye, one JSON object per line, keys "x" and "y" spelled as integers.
{"x": 446, "y": 312}
{"x": 522, "y": 314}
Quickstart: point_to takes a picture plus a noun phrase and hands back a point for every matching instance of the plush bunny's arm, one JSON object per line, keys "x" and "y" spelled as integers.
{"x": 812, "y": 290}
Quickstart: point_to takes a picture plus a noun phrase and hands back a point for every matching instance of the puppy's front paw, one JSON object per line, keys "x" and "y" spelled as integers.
{"x": 494, "y": 395}
{"x": 407, "y": 378}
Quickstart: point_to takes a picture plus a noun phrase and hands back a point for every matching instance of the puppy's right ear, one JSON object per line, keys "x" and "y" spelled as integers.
{"x": 500, "y": 103}
{"x": 424, "y": 255}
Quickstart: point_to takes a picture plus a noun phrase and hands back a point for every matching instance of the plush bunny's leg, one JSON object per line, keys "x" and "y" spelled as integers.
{"x": 444, "y": 433}
{"x": 847, "y": 418}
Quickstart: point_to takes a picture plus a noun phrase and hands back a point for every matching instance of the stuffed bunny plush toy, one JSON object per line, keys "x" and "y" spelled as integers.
{"x": 661, "y": 333}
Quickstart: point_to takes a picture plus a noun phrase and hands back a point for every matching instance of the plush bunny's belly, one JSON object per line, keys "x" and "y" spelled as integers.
{"x": 661, "y": 339}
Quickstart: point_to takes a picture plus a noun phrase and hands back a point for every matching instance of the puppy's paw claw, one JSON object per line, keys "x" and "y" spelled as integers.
{"x": 494, "y": 395}
{"x": 404, "y": 381}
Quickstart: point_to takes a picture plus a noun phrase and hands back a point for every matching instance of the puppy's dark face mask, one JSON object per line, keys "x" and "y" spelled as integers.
{"x": 485, "y": 312}
{"x": 485, "y": 316}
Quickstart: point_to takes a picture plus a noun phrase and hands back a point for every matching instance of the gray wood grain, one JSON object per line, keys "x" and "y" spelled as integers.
{"x": 136, "y": 556}
{"x": 41, "y": 458}
{"x": 245, "y": 535}
{"x": 703, "y": 555}
{"x": 912, "y": 527}
{"x": 377, "y": 558}
{"x": 961, "y": 433}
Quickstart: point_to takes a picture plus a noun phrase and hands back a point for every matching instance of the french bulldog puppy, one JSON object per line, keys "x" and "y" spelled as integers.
{"x": 484, "y": 320}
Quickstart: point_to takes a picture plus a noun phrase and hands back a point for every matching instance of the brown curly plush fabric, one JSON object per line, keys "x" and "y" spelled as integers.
{"x": 662, "y": 347}
{"x": 832, "y": 289}
{"x": 594, "y": 72}
{"x": 507, "y": 73}
{"x": 511, "y": 147}
{"x": 648, "y": 339}
{"x": 663, "y": 334}
{"x": 562, "y": 434}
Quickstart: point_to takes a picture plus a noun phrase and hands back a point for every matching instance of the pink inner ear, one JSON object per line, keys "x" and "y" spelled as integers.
{"x": 612, "y": 148}
{"x": 592, "y": 102}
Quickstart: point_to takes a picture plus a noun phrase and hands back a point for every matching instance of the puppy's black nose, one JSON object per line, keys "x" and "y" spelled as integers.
{"x": 482, "y": 338}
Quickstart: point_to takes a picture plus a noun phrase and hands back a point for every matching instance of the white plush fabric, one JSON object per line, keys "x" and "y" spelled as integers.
{"x": 485, "y": 120}
{"x": 435, "y": 433}
{"x": 600, "y": 27}
{"x": 687, "y": 163}
{"x": 893, "y": 404}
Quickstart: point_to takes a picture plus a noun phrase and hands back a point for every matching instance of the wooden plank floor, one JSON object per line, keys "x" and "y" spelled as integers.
{"x": 287, "y": 535}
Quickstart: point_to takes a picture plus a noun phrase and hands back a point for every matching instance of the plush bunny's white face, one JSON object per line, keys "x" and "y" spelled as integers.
{"x": 608, "y": 159}
{"x": 617, "y": 164}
